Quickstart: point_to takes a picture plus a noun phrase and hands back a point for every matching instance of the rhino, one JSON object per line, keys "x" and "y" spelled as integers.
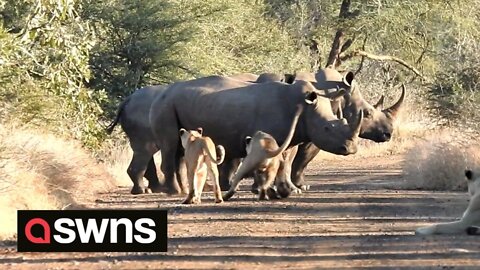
{"x": 246, "y": 77}
{"x": 228, "y": 110}
{"x": 377, "y": 124}
{"x": 273, "y": 77}
{"x": 133, "y": 116}
{"x": 263, "y": 77}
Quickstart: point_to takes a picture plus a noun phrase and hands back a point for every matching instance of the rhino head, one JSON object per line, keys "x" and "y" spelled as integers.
{"x": 377, "y": 124}
{"x": 324, "y": 129}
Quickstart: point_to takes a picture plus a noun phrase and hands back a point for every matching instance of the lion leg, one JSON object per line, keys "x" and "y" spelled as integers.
{"x": 201, "y": 179}
{"x": 191, "y": 186}
{"x": 248, "y": 164}
{"x": 455, "y": 227}
{"x": 271, "y": 173}
{"x": 213, "y": 175}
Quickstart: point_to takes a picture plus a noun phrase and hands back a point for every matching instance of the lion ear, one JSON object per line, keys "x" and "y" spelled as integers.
{"x": 200, "y": 130}
{"x": 469, "y": 174}
{"x": 182, "y": 131}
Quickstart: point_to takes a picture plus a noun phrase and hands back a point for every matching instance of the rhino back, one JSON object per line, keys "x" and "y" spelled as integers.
{"x": 135, "y": 115}
{"x": 227, "y": 113}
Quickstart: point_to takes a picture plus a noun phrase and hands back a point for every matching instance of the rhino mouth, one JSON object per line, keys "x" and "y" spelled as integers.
{"x": 347, "y": 149}
{"x": 377, "y": 137}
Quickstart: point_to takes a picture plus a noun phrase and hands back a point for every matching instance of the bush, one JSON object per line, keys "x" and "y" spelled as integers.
{"x": 42, "y": 171}
{"x": 439, "y": 162}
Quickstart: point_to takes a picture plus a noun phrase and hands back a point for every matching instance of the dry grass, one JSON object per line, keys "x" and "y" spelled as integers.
{"x": 439, "y": 162}
{"x": 41, "y": 171}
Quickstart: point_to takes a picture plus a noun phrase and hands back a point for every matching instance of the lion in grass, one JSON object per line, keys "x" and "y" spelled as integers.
{"x": 470, "y": 221}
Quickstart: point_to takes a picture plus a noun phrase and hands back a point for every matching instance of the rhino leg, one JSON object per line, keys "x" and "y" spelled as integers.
{"x": 170, "y": 161}
{"x": 152, "y": 177}
{"x": 226, "y": 170}
{"x": 181, "y": 175}
{"x": 136, "y": 170}
{"x": 306, "y": 153}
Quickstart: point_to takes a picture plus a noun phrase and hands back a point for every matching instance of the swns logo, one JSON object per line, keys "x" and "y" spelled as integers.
{"x": 92, "y": 231}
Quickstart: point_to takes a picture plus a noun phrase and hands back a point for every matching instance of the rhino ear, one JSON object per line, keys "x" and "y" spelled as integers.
{"x": 200, "y": 130}
{"x": 248, "y": 140}
{"x": 348, "y": 78}
{"x": 311, "y": 98}
{"x": 379, "y": 105}
{"x": 337, "y": 94}
{"x": 289, "y": 78}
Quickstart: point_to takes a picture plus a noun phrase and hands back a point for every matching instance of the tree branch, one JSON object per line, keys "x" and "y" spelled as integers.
{"x": 344, "y": 9}
{"x": 363, "y": 57}
{"x": 357, "y": 53}
{"x": 335, "y": 51}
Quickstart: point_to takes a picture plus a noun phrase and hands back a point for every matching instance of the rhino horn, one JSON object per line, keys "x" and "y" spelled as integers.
{"x": 379, "y": 104}
{"x": 356, "y": 125}
{"x": 393, "y": 111}
{"x": 359, "y": 124}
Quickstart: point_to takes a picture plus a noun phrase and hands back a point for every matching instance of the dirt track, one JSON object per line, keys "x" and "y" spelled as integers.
{"x": 352, "y": 217}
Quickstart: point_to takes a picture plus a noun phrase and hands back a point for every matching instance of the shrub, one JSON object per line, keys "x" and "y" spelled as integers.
{"x": 439, "y": 162}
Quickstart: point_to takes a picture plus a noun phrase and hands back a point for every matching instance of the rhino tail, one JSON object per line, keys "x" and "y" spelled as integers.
{"x": 109, "y": 128}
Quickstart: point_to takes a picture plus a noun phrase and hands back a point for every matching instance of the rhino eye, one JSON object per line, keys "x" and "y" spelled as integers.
{"x": 367, "y": 114}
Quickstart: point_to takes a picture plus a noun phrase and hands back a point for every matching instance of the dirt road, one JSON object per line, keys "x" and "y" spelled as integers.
{"x": 353, "y": 216}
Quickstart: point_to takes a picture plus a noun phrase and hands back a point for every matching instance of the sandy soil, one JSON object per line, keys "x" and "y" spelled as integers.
{"x": 354, "y": 216}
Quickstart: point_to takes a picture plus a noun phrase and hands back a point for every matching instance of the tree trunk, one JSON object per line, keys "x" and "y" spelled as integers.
{"x": 333, "y": 60}
{"x": 336, "y": 49}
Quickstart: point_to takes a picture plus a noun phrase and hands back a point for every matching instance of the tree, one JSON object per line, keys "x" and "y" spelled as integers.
{"x": 136, "y": 41}
{"x": 46, "y": 65}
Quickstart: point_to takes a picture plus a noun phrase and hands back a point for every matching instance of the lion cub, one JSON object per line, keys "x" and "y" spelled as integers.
{"x": 470, "y": 221}
{"x": 201, "y": 158}
{"x": 264, "y": 156}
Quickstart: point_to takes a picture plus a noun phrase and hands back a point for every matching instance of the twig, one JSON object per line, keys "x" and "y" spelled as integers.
{"x": 356, "y": 53}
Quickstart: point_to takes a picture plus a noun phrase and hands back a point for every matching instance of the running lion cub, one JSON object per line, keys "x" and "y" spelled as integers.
{"x": 201, "y": 160}
{"x": 470, "y": 221}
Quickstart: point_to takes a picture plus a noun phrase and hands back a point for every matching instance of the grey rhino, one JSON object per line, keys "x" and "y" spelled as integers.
{"x": 245, "y": 77}
{"x": 133, "y": 115}
{"x": 264, "y": 77}
{"x": 228, "y": 110}
{"x": 377, "y": 124}
{"x": 273, "y": 77}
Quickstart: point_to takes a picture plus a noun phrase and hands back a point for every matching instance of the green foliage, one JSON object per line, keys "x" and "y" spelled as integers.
{"x": 136, "y": 44}
{"x": 236, "y": 37}
{"x": 65, "y": 65}
{"x": 43, "y": 77}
